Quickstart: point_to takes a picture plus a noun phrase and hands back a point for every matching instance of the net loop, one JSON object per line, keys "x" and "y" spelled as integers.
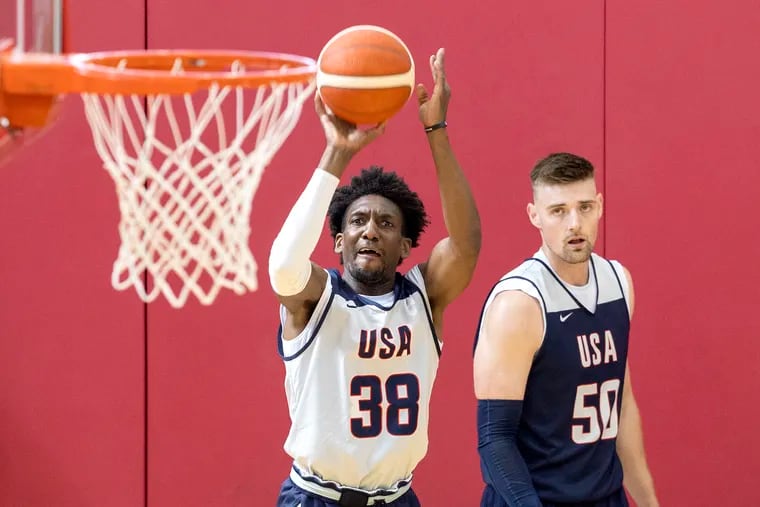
{"x": 186, "y": 169}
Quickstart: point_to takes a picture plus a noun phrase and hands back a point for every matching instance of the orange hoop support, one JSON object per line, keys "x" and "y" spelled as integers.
{"x": 30, "y": 83}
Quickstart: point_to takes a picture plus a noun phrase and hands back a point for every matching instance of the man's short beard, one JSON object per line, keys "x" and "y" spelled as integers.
{"x": 578, "y": 257}
{"x": 367, "y": 277}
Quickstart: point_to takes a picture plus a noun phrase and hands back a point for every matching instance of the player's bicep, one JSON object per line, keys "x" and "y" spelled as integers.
{"x": 511, "y": 334}
{"x": 629, "y": 438}
{"x": 447, "y": 272}
{"x": 628, "y": 403}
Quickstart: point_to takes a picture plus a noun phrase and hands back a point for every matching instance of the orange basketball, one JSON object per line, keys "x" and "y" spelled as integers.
{"x": 365, "y": 74}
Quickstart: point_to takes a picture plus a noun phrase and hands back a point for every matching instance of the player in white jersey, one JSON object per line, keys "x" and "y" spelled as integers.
{"x": 361, "y": 348}
{"x": 558, "y": 424}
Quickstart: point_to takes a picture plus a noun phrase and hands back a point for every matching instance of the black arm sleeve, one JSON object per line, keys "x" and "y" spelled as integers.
{"x": 501, "y": 464}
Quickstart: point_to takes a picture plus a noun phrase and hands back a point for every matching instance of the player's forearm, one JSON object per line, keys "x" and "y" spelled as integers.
{"x": 636, "y": 477}
{"x": 460, "y": 212}
{"x": 630, "y": 447}
{"x": 335, "y": 160}
{"x": 501, "y": 463}
{"x": 642, "y": 491}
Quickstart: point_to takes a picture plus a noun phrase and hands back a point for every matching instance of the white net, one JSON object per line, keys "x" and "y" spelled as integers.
{"x": 186, "y": 170}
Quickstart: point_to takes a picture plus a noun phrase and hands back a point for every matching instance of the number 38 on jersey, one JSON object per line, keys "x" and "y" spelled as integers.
{"x": 392, "y": 405}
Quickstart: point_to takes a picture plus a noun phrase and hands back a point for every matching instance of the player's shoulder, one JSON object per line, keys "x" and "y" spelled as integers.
{"x": 514, "y": 301}
{"x": 523, "y": 280}
{"x": 514, "y": 314}
{"x": 616, "y": 265}
{"x": 530, "y": 268}
{"x": 609, "y": 260}
{"x": 530, "y": 276}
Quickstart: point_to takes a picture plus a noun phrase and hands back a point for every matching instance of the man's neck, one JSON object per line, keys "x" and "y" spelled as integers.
{"x": 374, "y": 289}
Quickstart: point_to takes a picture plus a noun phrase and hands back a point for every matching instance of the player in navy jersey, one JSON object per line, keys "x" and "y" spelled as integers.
{"x": 558, "y": 424}
{"x": 361, "y": 348}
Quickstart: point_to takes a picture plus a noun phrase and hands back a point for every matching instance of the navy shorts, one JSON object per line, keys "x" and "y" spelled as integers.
{"x": 293, "y": 496}
{"x": 492, "y": 499}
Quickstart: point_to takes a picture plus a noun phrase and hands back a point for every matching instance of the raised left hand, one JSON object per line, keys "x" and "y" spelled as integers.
{"x": 432, "y": 108}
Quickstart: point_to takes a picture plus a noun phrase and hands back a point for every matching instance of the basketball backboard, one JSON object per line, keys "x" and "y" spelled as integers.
{"x": 29, "y": 26}
{"x": 34, "y": 25}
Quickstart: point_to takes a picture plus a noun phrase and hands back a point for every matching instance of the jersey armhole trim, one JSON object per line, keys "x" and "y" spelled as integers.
{"x": 314, "y": 333}
{"x": 622, "y": 289}
{"x": 426, "y": 303}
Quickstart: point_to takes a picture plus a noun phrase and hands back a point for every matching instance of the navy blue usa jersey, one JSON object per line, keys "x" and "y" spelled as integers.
{"x": 573, "y": 395}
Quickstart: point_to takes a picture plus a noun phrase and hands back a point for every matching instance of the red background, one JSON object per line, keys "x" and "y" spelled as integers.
{"x": 105, "y": 401}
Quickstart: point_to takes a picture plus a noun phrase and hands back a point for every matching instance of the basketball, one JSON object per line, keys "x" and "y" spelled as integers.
{"x": 365, "y": 74}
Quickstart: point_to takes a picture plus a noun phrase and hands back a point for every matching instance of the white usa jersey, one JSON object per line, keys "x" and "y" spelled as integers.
{"x": 358, "y": 381}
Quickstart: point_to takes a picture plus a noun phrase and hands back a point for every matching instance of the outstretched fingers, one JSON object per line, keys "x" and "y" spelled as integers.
{"x": 321, "y": 109}
{"x": 319, "y": 106}
{"x": 437, "y": 68}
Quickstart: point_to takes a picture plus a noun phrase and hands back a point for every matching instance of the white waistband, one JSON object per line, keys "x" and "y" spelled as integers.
{"x": 333, "y": 494}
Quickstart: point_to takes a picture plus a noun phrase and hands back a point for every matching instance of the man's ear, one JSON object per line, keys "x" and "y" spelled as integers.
{"x": 533, "y": 215}
{"x": 338, "y": 245}
{"x": 406, "y": 247}
{"x": 600, "y": 200}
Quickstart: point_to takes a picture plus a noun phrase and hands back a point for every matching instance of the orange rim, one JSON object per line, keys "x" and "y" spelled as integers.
{"x": 31, "y": 82}
{"x": 148, "y": 72}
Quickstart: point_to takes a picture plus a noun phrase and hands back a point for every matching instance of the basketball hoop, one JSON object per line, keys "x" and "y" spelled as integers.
{"x": 186, "y": 136}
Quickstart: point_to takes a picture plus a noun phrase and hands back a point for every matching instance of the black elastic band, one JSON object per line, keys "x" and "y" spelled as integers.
{"x": 439, "y": 125}
{"x": 353, "y": 498}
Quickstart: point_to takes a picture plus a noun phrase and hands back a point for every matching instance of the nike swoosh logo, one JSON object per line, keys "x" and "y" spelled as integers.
{"x": 563, "y": 318}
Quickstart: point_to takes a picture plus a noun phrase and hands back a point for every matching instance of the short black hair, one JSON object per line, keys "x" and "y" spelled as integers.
{"x": 561, "y": 168}
{"x": 375, "y": 181}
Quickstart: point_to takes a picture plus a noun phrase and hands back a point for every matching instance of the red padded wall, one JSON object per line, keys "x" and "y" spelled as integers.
{"x": 71, "y": 348}
{"x": 682, "y": 135}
